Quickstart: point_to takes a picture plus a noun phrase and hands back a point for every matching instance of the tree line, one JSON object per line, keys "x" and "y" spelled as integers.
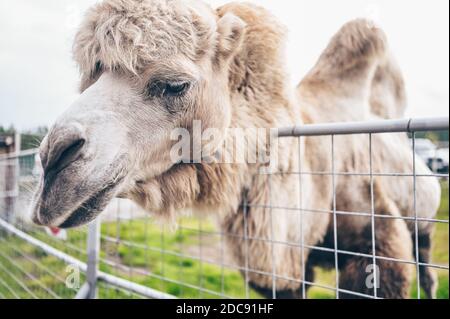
{"x": 29, "y": 138}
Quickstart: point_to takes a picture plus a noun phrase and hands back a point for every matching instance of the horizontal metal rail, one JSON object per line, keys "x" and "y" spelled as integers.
{"x": 367, "y": 127}
{"x": 19, "y": 154}
{"x": 107, "y": 278}
{"x": 45, "y": 247}
{"x": 133, "y": 287}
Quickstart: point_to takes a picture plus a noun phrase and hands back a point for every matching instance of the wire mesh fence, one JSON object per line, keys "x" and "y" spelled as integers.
{"x": 30, "y": 270}
{"x": 131, "y": 255}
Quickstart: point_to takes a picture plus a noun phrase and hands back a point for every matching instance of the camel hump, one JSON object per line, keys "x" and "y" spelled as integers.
{"x": 352, "y": 51}
{"x": 388, "y": 97}
{"x": 358, "y": 64}
{"x": 358, "y": 41}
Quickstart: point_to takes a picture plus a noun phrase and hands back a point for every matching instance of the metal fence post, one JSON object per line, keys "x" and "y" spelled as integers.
{"x": 93, "y": 251}
{"x": 10, "y": 168}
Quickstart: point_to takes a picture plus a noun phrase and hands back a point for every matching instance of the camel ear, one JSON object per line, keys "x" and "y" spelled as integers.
{"x": 231, "y": 35}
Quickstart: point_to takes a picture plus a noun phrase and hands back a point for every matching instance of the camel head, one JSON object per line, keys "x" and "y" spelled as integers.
{"x": 148, "y": 68}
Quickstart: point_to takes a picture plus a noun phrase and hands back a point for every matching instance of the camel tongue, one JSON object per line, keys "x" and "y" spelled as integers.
{"x": 55, "y": 231}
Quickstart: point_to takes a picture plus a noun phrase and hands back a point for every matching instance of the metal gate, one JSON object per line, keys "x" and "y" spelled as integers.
{"x": 128, "y": 255}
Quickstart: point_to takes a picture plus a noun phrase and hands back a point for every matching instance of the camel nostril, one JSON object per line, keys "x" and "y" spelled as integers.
{"x": 67, "y": 156}
{"x": 63, "y": 152}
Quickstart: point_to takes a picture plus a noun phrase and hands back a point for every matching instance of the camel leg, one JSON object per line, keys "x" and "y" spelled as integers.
{"x": 392, "y": 240}
{"x": 428, "y": 276}
{"x": 287, "y": 294}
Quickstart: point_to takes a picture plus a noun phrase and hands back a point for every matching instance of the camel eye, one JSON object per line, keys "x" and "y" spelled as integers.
{"x": 175, "y": 89}
{"x": 167, "y": 89}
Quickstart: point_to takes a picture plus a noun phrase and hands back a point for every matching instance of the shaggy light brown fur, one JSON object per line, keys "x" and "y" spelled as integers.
{"x": 347, "y": 83}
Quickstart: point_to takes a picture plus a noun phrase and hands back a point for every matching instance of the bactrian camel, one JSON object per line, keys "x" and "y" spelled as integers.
{"x": 149, "y": 67}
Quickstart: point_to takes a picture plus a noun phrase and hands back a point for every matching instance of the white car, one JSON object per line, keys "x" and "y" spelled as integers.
{"x": 440, "y": 162}
{"x": 436, "y": 159}
{"x": 425, "y": 148}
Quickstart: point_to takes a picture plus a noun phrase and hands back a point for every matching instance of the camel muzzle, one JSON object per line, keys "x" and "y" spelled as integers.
{"x": 74, "y": 188}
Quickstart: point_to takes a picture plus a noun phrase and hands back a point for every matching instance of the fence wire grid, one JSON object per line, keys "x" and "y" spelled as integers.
{"x": 127, "y": 254}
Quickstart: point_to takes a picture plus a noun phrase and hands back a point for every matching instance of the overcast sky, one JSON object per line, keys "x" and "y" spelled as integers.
{"x": 38, "y": 79}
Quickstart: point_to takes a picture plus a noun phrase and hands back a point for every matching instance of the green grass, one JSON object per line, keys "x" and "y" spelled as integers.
{"x": 173, "y": 256}
{"x": 440, "y": 257}
{"x": 441, "y": 243}
{"x": 157, "y": 257}
{"x": 27, "y": 272}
